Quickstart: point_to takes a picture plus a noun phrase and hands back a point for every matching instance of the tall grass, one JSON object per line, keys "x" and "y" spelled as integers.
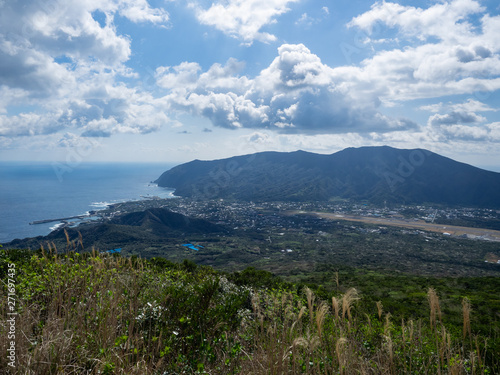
{"x": 434, "y": 307}
{"x": 357, "y": 344}
{"x": 466, "y": 310}
{"x": 97, "y": 314}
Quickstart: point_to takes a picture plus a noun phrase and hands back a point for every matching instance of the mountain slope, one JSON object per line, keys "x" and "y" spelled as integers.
{"x": 131, "y": 231}
{"x": 376, "y": 174}
{"x": 160, "y": 220}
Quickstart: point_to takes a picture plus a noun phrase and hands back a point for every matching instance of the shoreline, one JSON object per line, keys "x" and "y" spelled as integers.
{"x": 101, "y": 216}
{"x": 98, "y": 215}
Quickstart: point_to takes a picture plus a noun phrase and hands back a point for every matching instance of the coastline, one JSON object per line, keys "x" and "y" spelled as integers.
{"x": 107, "y": 212}
{"x": 33, "y": 192}
{"x": 101, "y": 215}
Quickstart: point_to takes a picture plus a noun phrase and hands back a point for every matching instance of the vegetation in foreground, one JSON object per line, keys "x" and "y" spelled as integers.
{"x": 99, "y": 314}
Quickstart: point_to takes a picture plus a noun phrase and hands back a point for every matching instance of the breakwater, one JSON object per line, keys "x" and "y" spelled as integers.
{"x": 61, "y": 219}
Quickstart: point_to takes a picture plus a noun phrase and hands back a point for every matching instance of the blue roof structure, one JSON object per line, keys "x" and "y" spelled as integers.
{"x": 191, "y": 246}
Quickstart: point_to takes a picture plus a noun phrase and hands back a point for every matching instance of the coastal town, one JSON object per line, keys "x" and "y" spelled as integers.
{"x": 471, "y": 223}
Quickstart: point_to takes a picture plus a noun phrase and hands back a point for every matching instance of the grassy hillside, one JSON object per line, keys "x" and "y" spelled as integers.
{"x": 98, "y": 314}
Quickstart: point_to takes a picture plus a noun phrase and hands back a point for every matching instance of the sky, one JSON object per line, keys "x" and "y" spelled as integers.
{"x": 173, "y": 81}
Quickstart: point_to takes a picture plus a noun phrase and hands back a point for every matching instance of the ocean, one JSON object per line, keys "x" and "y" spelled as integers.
{"x": 39, "y": 191}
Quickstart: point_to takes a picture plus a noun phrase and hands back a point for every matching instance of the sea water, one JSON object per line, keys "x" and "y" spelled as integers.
{"x": 40, "y": 191}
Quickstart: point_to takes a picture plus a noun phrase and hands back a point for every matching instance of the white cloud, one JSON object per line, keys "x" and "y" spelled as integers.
{"x": 140, "y": 11}
{"x": 102, "y": 127}
{"x": 455, "y": 117}
{"x": 180, "y": 77}
{"x": 461, "y": 122}
{"x": 471, "y": 105}
{"x": 450, "y": 53}
{"x": 62, "y": 72}
{"x": 63, "y": 68}
{"x": 305, "y": 20}
{"x": 488, "y": 133}
{"x": 221, "y": 78}
{"x": 258, "y": 137}
{"x": 442, "y": 20}
{"x": 244, "y": 19}
{"x": 297, "y": 93}
{"x": 295, "y": 68}
{"x": 11, "y": 96}
{"x": 30, "y": 124}
{"x": 218, "y": 78}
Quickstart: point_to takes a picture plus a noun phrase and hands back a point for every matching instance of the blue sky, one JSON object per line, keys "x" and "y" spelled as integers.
{"x": 172, "y": 81}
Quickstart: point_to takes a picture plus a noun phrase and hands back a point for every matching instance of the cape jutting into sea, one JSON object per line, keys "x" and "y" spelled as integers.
{"x": 38, "y": 191}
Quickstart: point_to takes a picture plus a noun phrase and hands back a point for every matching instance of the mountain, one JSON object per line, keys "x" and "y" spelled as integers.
{"x": 376, "y": 174}
{"x": 132, "y": 231}
{"x": 161, "y": 221}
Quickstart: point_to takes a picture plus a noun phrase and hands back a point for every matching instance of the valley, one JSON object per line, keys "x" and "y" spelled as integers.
{"x": 291, "y": 239}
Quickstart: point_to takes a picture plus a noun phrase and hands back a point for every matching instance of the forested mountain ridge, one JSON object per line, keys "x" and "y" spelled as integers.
{"x": 377, "y": 174}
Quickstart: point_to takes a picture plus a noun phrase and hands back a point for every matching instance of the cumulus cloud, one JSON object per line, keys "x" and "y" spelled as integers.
{"x": 34, "y": 34}
{"x": 258, "y": 137}
{"x": 470, "y": 105}
{"x": 183, "y": 76}
{"x": 455, "y": 117}
{"x": 461, "y": 123}
{"x": 10, "y": 96}
{"x": 451, "y": 52}
{"x": 441, "y": 20}
{"x": 296, "y": 93}
{"x": 244, "y": 19}
{"x": 121, "y": 110}
{"x": 140, "y": 11}
{"x": 486, "y": 133}
{"x": 295, "y": 68}
{"x": 63, "y": 63}
{"x": 186, "y": 76}
{"x": 27, "y": 124}
{"x": 69, "y": 140}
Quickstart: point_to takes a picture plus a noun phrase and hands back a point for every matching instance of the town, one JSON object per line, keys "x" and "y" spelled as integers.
{"x": 473, "y": 223}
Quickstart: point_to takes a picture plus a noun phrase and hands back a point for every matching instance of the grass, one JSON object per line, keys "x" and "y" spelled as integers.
{"x": 99, "y": 314}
